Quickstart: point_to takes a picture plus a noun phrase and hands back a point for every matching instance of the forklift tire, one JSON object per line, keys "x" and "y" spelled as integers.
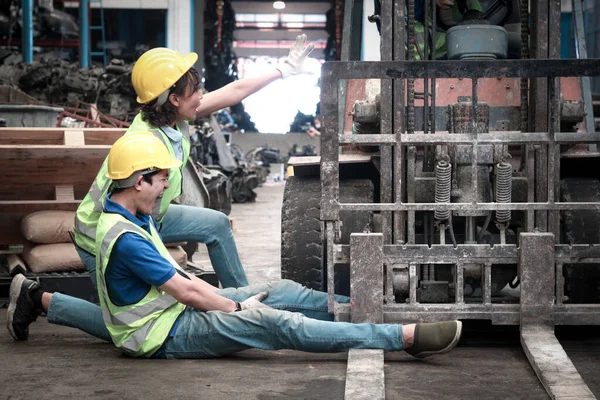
{"x": 582, "y": 281}
{"x": 302, "y": 234}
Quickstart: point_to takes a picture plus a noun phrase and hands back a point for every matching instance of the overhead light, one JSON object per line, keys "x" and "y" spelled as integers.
{"x": 294, "y": 25}
{"x": 278, "y": 5}
{"x": 265, "y": 25}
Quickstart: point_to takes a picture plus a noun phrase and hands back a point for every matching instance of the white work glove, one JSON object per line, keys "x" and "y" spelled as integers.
{"x": 254, "y": 302}
{"x": 293, "y": 64}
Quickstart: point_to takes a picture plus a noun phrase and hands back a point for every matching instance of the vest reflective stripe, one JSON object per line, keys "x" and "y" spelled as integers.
{"x": 96, "y": 194}
{"x": 92, "y": 205}
{"x": 137, "y": 329}
{"x": 131, "y": 345}
{"x": 86, "y": 230}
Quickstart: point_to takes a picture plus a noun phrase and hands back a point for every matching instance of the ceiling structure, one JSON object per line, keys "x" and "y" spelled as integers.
{"x": 262, "y": 30}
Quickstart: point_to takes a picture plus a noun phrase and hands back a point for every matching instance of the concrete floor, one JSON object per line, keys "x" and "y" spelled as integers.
{"x": 59, "y": 362}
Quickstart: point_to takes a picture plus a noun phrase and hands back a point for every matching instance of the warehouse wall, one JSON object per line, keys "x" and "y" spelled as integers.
{"x": 284, "y": 143}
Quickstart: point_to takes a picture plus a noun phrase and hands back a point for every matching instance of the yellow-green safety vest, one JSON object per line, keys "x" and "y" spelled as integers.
{"x": 137, "y": 329}
{"x": 88, "y": 212}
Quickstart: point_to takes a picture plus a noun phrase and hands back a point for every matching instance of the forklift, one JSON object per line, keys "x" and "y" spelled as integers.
{"x": 457, "y": 188}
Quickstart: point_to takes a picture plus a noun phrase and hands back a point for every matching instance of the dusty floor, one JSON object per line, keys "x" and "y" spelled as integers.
{"x": 59, "y": 362}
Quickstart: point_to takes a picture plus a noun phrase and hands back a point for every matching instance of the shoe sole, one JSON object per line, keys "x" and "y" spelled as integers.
{"x": 15, "y": 290}
{"x": 446, "y": 349}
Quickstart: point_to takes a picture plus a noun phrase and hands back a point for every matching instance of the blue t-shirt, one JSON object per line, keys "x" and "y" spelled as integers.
{"x": 135, "y": 265}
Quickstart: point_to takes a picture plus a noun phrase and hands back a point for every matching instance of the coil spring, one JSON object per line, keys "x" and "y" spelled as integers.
{"x": 503, "y": 190}
{"x": 443, "y": 183}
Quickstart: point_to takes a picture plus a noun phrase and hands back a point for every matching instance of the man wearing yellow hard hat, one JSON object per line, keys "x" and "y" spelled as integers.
{"x": 169, "y": 90}
{"x": 153, "y": 309}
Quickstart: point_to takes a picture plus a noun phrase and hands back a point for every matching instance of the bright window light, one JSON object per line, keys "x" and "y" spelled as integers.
{"x": 292, "y": 18}
{"x": 266, "y": 17}
{"x": 283, "y": 97}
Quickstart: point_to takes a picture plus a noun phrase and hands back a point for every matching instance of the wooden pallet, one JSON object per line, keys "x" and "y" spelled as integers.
{"x": 47, "y": 169}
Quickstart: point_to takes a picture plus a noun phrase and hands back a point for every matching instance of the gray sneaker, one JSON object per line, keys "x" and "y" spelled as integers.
{"x": 435, "y": 338}
{"x": 21, "y": 310}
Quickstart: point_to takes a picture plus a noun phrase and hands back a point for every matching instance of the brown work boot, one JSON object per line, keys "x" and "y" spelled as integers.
{"x": 435, "y": 338}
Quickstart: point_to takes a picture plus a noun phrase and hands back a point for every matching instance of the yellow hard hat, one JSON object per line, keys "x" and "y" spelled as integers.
{"x": 157, "y": 70}
{"x": 138, "y": 151}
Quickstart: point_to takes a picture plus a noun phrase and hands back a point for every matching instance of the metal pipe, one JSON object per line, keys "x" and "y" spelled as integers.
{"x": 84, "y": 34}
{"x": 27, "y": 36}
{"x": 470, "y": 230}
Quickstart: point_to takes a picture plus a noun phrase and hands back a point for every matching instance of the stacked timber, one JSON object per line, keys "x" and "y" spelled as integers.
{"x": 47, "y": 173}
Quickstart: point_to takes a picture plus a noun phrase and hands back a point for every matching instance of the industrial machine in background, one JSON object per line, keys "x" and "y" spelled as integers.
{"x": 464, "y": 188}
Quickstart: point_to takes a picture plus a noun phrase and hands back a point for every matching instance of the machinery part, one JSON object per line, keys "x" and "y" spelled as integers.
{"x": 401, "y": 283}
{"x": 302, "y": 241}
{"x": 462, "y": 114}
{"x": 443, "y": 185}
{"x": 243, "y": 183}
{"x": 219, "y": 189}
{"x": 477, "y": 42}
{"x": 503, "y": 190}
{"x": 582, "y": 281}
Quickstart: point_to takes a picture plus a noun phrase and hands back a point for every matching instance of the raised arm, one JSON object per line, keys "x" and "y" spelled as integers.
{"x": 237, "y": 91}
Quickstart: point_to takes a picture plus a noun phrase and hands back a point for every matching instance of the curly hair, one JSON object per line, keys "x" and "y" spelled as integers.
{"x": 166, "y": 114}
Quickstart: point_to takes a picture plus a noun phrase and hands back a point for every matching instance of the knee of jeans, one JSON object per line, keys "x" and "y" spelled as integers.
{"x": 222, "y": 224}
{"x": 287, "y": 285}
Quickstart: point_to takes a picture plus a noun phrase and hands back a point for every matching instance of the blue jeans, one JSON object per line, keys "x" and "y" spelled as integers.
{"x": 299, "y": 321}
{"x": 181, "y": 223}
{"x": 185, "y": 223}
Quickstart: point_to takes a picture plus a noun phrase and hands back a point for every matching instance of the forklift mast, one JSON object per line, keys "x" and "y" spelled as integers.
{"x": 461, "y": 188}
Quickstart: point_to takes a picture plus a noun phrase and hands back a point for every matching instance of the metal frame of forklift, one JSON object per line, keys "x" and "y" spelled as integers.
{"x": 539, "y": 255}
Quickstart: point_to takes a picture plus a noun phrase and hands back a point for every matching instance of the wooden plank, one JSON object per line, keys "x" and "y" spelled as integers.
{"x": 103, "y": 136}
{"x": 29, "y": 206}
{"x": 64, "y": 193}
{"x": 56, "y": 135}
{"x": 29, "y": 151}
{"x": 74, "y": 138}
{"x": 35, "y": 179}
{"x": 31, "y": 136}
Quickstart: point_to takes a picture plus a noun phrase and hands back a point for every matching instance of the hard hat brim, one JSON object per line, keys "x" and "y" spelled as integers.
{"x": 172, "y": 164}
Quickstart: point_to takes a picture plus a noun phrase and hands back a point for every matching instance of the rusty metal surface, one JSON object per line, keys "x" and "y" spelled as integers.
{"x": 365, "y": 379}
{"x": 365, "y": 374}
{"x": 494, "y": 137}
{"x": 536, "y": 271}
{"x": 497, "y": 313}
{"x": 552, "y": 365}
{"x": 366, "y": 276}
{"x": 458, "y": 69}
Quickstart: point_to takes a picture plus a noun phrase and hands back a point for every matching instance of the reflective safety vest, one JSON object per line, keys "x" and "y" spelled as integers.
{"x": 440, "y": 42}
{"x": 92, "y": 205}
{"x": 137, "y": 329}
